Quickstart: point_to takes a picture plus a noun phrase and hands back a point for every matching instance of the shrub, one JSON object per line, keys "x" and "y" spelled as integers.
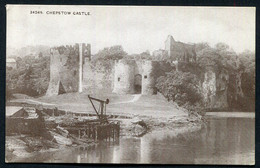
{"x": 181, "y": 87}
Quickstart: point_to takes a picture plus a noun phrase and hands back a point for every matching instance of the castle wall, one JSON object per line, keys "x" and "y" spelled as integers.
{"x": 169, "y": 45}
{"x": 124, "y": 77}
{"x": 81, "y": 50}
{"x": 65, "y": 69}
{"x": 98, "y": 77}
{"x": 55, "y": 65}
{"x": 138, "y": 67}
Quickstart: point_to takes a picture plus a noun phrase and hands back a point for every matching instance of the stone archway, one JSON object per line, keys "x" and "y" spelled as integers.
{"x": 138, "y": 84}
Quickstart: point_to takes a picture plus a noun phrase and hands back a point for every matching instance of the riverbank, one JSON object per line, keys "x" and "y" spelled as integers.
{"x": 20, "y": 147}
{"x": 232, "y": 114}
{"x": 137, "y": 117}
{"x": 219, "y": 140}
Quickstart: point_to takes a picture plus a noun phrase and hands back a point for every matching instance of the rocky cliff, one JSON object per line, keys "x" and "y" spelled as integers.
{"x": 222, "y": 90}
{"x": 214, "y": 89}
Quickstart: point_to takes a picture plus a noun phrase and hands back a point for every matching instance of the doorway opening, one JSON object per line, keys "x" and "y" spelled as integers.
{"x": 138, "y": 84}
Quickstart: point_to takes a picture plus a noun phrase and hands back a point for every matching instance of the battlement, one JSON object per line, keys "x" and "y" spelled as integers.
{"x": 77, "y": 50}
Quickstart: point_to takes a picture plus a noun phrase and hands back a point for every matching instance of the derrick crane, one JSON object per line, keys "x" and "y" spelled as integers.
{"x": 101, "y": 112}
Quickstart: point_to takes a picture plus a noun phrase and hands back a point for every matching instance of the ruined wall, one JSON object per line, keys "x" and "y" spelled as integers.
{"x": 66, "y": 68}
{"x": 169, "y": 45}
{"x": 124, "y": 77}
{"x": 63, "y": 70}
{"x": 98, "y": 76}
{"x": 178, "y": 51}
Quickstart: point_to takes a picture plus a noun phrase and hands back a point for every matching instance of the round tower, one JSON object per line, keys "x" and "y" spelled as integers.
{"x": 148, "y": 78}
{"x": 124, "y": 77}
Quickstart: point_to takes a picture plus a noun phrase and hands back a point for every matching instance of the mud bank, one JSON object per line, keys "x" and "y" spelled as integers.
{"x": 52, "y": 137}
{"x": 56, "y": 137}
{"x": 139, "y": 126}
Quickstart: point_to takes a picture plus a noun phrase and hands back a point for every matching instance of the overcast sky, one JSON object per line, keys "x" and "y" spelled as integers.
{"x": 137, "y": 29}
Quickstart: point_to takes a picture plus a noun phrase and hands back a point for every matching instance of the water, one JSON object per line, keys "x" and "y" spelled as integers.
{"x": 221, "y": 141}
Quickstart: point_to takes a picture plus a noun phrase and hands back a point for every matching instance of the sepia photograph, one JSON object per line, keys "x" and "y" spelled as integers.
{"x": 130, "y": 84}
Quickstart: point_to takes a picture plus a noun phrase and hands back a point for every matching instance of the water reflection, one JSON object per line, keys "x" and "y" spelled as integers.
{"x": 221, "y": 141}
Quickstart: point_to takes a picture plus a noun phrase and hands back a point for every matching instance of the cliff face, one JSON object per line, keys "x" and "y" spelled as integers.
{"x": 221, "y": 90}
{"x": 239, "y": 91}
{"x": 209, "y": 88}
{"x": 215, "y": 89}
{"x": 235, "y": 93}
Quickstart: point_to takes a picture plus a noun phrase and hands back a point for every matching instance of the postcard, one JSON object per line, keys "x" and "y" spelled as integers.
{"x": 130, "y": 84}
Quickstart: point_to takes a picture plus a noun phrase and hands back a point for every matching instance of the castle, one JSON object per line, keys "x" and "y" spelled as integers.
{"x": 72, "y": 71}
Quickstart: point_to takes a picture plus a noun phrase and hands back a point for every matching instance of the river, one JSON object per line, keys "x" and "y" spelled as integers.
{"x": 223, "y": 140}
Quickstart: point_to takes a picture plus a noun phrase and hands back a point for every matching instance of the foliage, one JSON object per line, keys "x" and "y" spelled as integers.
{"x": 222, "y": 59}
{"x": 181, "y": 87}
{"x": 31, "y": 76}
{"x": 248, "y": 78}
{"x": 201, "y": 46}
{"x": 161, "y": 55}
{"x": 104, "y": 57}
{"x": 111, "y": 53}
{"x": 142, "y": 56}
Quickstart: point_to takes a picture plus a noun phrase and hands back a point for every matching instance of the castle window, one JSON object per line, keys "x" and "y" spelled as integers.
{"x": 118, "y": 79}
{"x": 75, "y": 72}
{"x": 145, "y": 76}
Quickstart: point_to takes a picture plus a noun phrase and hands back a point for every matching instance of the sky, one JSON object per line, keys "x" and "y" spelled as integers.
{"x": 137, "y": 29}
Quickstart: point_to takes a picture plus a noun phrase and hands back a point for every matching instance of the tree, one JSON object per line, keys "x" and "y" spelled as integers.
{"x": 201, "y": 46}
{"x": 31, "y": 77}
{"x": 142, "y": 56}
{"x": 222, "y": 47}
{"x": 181, "y": 87}
{"x": 248, "y": 78}
{"x": 40, "y": 55}
{"x": 111, "y": 53}
{"x": 208, "y": 57}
